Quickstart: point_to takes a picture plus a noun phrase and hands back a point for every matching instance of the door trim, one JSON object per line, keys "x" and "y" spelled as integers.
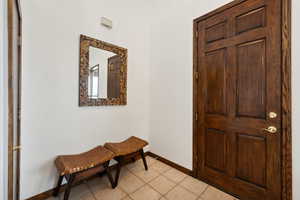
{"x": 10, "y": 11}
{"x": 286, "y": 147}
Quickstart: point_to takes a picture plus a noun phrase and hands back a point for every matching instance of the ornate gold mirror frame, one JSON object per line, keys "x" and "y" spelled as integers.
{"x": 84, "y": 99}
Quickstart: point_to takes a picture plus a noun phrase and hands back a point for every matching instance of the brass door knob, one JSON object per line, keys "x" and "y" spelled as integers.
{"x": 271, "y": 129}
{"x": 272, "y": 115}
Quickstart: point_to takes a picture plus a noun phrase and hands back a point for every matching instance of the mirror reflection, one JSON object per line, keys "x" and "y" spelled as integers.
{"x": 104, "y": 74}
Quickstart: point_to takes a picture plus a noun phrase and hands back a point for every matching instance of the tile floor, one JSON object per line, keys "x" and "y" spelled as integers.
{"x": 160, "y": 182}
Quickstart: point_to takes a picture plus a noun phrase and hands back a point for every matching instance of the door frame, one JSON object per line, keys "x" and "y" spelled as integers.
{"x": 11, "y": 125}
{"x": 286, "y": 141}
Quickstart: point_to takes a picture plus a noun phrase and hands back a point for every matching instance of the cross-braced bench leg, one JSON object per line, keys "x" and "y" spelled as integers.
{"x": 69, "y": 186}
{"x": 107, "y": 171}
{"x": 144, "y": 159}
{"x": 56, "y": 191}
{"x": 119, "y": 166}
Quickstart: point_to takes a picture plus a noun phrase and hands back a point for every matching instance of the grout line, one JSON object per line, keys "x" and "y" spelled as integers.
{"x": 188, "y": 190}
{"x": 165, "y": 195}
{"x": 128, "y": 197}
{"x": 172, "y": 180}
{"x": 147, "y": 183}
{"x": 120, "y": 188}
{"x": 90, "y": 189}
{"x": 198, "y": 195}
{"x": 162, "y": 195}
{"x": 204, "y": 191}
{"x": 144, "y": 183}
{"x": 176, "y": 184}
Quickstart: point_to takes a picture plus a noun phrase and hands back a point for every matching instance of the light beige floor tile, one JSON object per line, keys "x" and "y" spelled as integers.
{"x": 145, "y": 193}
{"x": 148, "y": 175}
{"x": 103, "y": 180}
{"x": 109, "y": 193}
{"x": 80, "y": 192}
{"x": 193, "y": 185}
{"x": 102, "y": 190}
{"x": 130, "y": 183}
{"x": 179, "y": 193}
{"x": 214, "y": 194}
{"x": 138, "y": 165}
{"x": 162, "y": 184}
{"x": 135, "y": 164}
{"x": 127, "y": 198}
{"x": 162, "y": 198}
{"x": 160, "y": 167}
{"x": 151, "y": 161}
{"x": 175, "y": 175}
{"x": 135, "y": 167}
{"x": 123, "y": 173}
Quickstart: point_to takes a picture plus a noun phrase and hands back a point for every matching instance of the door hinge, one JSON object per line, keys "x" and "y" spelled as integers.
{"x": 19, "y": 41}
{"x": 19, "y": 114}
{"x": 196, "y": 75}
{"x": 10, "y": 82}
{"x": 16, "y": 148}
{"x": 196, "y": 34}
{"x": 196, "y": 116}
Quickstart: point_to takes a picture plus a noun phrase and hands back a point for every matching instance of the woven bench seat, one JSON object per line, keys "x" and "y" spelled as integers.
{"x": 80, "y": 166}
{"x": 127, "y": 148}
{"x": 70, "y": 164}
{"x": 131, "y": 145}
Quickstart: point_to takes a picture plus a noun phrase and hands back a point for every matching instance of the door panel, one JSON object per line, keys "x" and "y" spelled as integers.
{"x": 239, "y": 85}
{"x": 215, "y": 148}
{"x": 251, "y": 20}
{"x": 251, "y": 82}
{"x": 216, "y": 82}
{"x": 215, "y": 32}
{"x": 113, "y": 79}
{"x": 251, "y": 159}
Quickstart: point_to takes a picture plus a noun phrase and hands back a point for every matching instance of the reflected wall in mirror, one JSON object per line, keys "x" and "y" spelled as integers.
{"x": 103, "y": 73}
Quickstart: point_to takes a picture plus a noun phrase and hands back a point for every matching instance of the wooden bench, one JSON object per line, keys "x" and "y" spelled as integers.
{"x": 128, "y": 148}
{"x": 77, "y": 167}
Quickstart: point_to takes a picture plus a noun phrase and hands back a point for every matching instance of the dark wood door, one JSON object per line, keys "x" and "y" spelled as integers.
{"x": 14, "y": 97}
{"x": 239, "y": 99}
{"x": 113, "y": 79}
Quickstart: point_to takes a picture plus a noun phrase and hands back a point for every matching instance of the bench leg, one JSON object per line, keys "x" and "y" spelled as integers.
{"x": 119, "y": 166}
{"x": 144, "y": 159}
{"x": 133, "y": 159}
{"x": 107, "y": 171}
{"x": 56, "y": 191}
{"x": 69, "y": 186}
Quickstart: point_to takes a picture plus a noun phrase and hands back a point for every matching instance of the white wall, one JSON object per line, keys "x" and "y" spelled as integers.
{"x": 3, "y": 100}
{"x": 171, "y": 81}
{"x": 171, "y": 77}
{"x": 52, "y": 122}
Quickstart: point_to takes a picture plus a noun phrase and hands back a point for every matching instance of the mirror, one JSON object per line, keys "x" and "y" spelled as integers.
{"x": 103, "y": 69}
{"x": 104, "y": 76}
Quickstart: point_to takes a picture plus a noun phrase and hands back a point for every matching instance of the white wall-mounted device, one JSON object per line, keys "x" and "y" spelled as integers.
{"x": 106, "y": 22}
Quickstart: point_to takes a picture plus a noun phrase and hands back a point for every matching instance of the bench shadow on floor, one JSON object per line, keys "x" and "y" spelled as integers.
{"x": 160, "y": 182}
